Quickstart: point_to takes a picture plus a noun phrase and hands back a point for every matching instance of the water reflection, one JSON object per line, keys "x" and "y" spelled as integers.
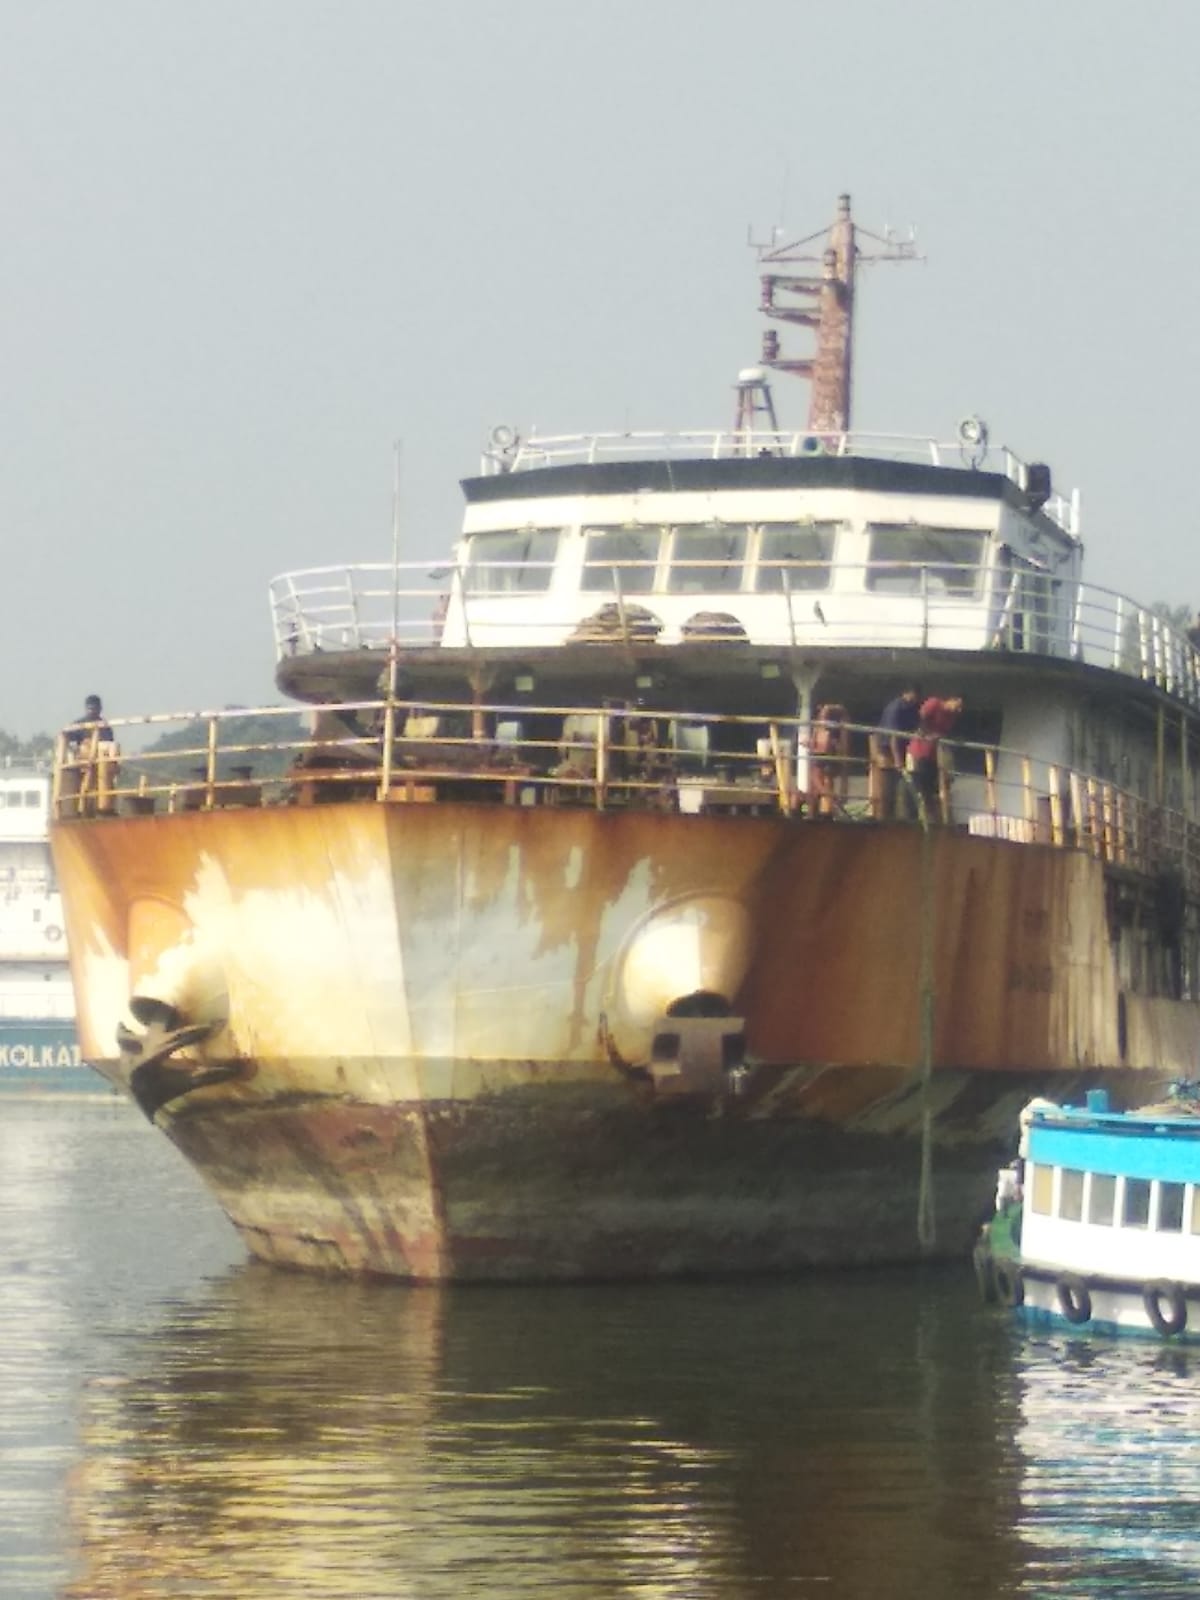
{"x": 176, "y": 1423}
{"x": 1110, "y": 1433}
{"x": 285, "y": 1436}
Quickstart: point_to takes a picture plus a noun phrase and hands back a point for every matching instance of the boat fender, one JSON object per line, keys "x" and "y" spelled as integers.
{"x": 1074, "y": 1299}
{"x": 1165, "y": 1306}
{"x": 1010, "y": 1283}
{"x": 985, "y": 1272}
{"x": 53, "y": 932}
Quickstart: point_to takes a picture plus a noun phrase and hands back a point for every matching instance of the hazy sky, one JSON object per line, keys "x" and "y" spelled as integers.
{"x": 247, "y": 244}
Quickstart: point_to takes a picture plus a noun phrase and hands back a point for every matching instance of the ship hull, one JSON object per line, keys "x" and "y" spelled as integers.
{"x": 546, "y": 1185}
{"x": 420, "y": 1041}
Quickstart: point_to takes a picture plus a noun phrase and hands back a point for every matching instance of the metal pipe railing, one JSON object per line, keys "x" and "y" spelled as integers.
{"x": 905, "y": 605}
{"x": 607, "y": 757}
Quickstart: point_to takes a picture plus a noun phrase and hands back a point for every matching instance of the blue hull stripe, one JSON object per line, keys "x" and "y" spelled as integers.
{"x": 1173, "y": 1157}
{"x": 1041, "y": 1317}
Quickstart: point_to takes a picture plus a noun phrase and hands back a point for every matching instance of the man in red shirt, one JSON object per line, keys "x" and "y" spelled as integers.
{"x": 938, "y": 720}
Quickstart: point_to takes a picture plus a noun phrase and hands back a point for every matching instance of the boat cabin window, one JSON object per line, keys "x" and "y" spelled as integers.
{"x": 1102, "y": 1199}
{"x": 801, "y": 552}
{"x": 1135, "y": 1212}
{"x": 899, "y": 553}
{"x": 1070, "y": 1195}
{"x": 1028, "y": 605}
{"x": 707, "y": 558}
{"x": 1096, "y": 1194}
{"x": 517, "y": 561}
{"x": 623, "y": 560}
{"x": 1170, "y": 1207}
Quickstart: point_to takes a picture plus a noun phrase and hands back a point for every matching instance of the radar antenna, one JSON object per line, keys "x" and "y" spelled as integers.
{"x": 824, "y": 303}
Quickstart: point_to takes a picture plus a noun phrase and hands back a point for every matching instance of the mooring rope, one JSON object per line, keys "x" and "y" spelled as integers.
{"x": 926, "y": 1217}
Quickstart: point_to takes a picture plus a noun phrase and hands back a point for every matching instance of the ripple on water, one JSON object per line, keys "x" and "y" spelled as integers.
{"x": 177, "y": 1422}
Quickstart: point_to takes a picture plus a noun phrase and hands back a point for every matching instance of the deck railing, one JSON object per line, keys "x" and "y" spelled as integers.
{"x": 810, "y": 605}
{"x": 512, "y": 453}
{"x": 603, "y": 758}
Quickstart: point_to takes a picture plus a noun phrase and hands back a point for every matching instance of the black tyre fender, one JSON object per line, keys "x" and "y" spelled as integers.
{"x": 985, "y": 1273}
{"x": 1074, "y": 1298}
{"x": 1010, "y": 1283}
{"x": 1165, "y": 1306}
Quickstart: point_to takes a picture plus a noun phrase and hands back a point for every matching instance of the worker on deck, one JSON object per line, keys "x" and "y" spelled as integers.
{"x": 891, "y": 796}
{"x": 89, "y": 762}
{"x": 929, "y": 759}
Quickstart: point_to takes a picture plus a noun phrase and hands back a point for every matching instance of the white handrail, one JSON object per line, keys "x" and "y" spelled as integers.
{"x": 363, "y": 607}
{"x": 555, "y": 450}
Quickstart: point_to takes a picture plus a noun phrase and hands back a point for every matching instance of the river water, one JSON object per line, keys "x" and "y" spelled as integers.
{"x": 177, "y": 1422}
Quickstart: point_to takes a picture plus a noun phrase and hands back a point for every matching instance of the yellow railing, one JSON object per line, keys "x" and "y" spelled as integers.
{"x": 608, "y": 758}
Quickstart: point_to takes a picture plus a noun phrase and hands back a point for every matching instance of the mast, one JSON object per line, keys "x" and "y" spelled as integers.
{"x": 825, "y": 303}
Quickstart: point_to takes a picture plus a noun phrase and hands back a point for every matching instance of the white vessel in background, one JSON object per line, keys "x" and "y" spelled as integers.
{"x": 39, "y": 1051}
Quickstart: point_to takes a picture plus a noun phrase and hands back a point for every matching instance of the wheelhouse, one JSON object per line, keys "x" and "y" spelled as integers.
{"x": 773, "y": 550}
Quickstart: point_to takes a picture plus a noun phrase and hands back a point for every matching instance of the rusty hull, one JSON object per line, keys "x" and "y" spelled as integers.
{"x": 428, "y": 1027}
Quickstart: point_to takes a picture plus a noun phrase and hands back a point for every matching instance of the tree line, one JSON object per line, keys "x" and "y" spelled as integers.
{"x": 38, "y": 748}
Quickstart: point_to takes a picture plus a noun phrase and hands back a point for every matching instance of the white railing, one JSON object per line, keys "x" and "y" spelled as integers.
{"x": 809, "y": 604}
{"x": 580, "y": 449}
{"x": 605, "y": 758}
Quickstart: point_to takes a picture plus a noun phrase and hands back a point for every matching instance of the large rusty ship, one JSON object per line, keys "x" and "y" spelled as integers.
{"x": 584, "y": 929}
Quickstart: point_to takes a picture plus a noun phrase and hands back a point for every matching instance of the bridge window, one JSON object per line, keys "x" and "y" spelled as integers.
{"x": 517, "y": 561}
{"x": 1102, "y": 1199}
{"x": 1070, "y": 1195}
{"x": 1042, "y": 1189}
{"x": 707, "y": 558}
{"x": 798, "y": 552}
{"x": 621, "y": 559}
{"x": 1170, "y": 1207}
{"x": 1135, "y": 1212}
{"x": 948, "y": 557}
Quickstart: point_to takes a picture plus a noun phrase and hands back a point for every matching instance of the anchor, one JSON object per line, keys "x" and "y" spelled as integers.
{"x": 154, "y": 1079}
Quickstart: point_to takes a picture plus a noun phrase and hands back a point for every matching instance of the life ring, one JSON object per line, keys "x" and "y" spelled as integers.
{"x": 53, "y": 932}
{"x": 1165, "y": 1306}
{"x": 1010, "y": 1283}
{"x": 1074, "y": 1299}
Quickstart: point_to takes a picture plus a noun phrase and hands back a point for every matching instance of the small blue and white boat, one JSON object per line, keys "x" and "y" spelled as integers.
{"x": 1097, "y": 1223}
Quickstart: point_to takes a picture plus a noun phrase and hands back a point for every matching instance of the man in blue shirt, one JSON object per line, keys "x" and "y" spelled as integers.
{"x": 891, "y": 794}
{"x": 91, "y": 725}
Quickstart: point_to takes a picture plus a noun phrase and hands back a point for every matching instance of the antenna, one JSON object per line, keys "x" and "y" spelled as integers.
{"x": 754, "y": 399}
{"x": 393, "y": 660}
{"x": 824, "y": 303}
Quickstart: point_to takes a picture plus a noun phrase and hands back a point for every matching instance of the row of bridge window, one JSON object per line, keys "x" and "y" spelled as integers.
{"x": 722, "y": 557}
{"x": 1107, "y": 1201}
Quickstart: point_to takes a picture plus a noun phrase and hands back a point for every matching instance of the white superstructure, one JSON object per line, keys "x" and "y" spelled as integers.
{"x": 37, "y": 1008}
